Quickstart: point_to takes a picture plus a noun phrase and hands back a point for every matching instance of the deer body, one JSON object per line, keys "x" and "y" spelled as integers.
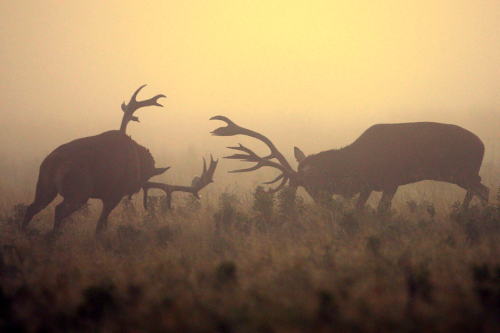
{"x": 107, "y": 166}
{"x": 383, "y": 158}
{"x": 387, "y": 156}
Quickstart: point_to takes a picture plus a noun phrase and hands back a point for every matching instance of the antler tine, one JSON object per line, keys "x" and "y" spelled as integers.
{"x": 207, "y": 175}
{"x": 204, "y": 166}
{"x": 212, "y": 166}
{"x": 275, "y": 179}
{"x": 134, "y": 105}
{"x": 151, "y": 101}
{"x": 229, "y": 130}
{"x": 134, "y": 96}
{"x": 252, "y": 157}
{"x": 256, "y": 167}
{"x": 244, "y": 149}
{"x": 280, "y": 186}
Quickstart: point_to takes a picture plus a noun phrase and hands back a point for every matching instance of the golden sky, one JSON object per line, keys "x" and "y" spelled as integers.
{"x": 314, "y": 74}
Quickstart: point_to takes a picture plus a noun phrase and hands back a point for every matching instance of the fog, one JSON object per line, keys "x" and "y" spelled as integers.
{"x": 312, "y": 74}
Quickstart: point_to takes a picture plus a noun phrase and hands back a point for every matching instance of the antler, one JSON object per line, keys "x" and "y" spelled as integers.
{"x": 134, "y": 105}
{"x": 197, "y": 184}
{"x": 261, "y": 162}
{"x": 283, "y": 165}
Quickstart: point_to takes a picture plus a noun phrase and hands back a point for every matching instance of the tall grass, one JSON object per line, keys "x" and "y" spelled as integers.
{"x": 252, "y": 261}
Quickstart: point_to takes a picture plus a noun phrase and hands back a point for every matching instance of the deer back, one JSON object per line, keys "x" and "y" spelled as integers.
{"x": 111, "y": 163}
{"x": 398, "y": 154}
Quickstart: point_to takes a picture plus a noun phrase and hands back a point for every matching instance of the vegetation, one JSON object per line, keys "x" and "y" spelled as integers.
{"x": 271, "y": 263}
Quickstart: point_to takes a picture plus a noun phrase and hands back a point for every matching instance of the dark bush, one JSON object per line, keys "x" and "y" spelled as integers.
{"x": 477, "y": 221}
{"x": 263, "y": 208}
{"x": 99, "y": 303}
{"x": 230, "y": 215}
{"x": 17, "y": 213}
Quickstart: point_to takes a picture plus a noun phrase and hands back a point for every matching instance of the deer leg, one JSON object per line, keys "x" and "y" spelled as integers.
{"x": 385, "y": 202}
{"x": 65, "y": 209}
{"x": 468, "y": 198}
{"x": 107, "y": 208}
{"x": 45, "y": 194}
{"x": 477, "y": 189}
{"x": 363, "y": 197}
{"x": 483, "y": 193}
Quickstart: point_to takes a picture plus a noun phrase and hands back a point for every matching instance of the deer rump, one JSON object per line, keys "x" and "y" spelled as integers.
{"x": 399, "y": 154}
{"x": 104, "y": 166}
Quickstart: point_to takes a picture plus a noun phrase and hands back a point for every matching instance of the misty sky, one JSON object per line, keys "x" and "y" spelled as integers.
{"x": 313, "y": 74}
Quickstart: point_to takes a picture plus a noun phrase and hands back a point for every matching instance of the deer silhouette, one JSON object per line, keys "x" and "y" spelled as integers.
{"x": 107, "y": 166}
{"x": 383, "y": 158}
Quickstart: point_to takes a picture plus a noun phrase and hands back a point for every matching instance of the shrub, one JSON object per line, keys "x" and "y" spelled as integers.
{"x": 225, "y": 274}
{"x": 290, "y": 205}
{"x": 230, "y": 215}
{"x": 263, "y": 207}
{"x": 477, "y": 221}
{"x": 18, "y": 212}
{"x": 422, "y": 207}
{"x": 129, "y": 238}
{"x": 129, "y": 212}
{"x": 157, "y": 209}
{"x": 191, "y": 203}
{"x": 99, "y": 302}
{"x": 487, "y": 286}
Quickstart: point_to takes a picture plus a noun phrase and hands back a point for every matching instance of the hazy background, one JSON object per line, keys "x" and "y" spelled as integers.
{"x": 313, "y": 74}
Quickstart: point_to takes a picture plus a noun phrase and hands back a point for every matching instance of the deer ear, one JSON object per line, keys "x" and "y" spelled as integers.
{"x": 159, "y": 171}
{"x": 299, "y": 155}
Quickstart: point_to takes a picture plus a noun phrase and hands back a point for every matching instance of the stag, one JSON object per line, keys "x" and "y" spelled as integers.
{"x": 107, "y": 166}
{"x": 383, "y": 158}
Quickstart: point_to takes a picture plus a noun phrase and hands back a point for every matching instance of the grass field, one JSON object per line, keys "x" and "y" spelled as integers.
{"x": 250, "y": 262}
